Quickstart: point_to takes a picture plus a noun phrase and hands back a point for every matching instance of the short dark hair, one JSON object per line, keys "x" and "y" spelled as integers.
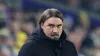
{"x": 52, "y": 12}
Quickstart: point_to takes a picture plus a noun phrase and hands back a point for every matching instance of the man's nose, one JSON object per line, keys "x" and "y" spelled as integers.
{"x": 55, "y": 30}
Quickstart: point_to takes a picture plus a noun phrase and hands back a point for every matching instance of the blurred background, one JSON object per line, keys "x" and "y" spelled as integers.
{"x": 19, "y": 18}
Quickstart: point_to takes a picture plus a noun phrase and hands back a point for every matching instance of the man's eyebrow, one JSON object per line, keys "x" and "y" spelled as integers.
{"x": 51, "y": 25}
{"x": 59, "y": 25}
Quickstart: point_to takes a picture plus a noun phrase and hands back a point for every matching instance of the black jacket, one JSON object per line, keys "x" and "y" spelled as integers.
{"x": 40, "y": 45}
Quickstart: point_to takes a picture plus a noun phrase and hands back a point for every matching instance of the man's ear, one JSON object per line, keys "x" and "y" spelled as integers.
{"x": 41, "y": 25}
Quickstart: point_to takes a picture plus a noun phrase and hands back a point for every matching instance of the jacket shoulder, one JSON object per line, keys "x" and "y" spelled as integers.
{"x": 27, "y": 49}
{"x": 68, "y": 42}
{"x": 71, "y": 47}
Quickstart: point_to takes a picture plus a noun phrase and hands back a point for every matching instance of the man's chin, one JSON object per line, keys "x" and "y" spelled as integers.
{"x": 55, "y": 37}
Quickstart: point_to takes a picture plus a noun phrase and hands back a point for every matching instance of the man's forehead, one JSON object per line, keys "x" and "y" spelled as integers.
{"x": 54, "y": 20}
{"x": 54, "y": 23}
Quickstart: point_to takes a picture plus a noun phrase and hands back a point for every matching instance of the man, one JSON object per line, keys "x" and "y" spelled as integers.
{"x": 49, "y": 39}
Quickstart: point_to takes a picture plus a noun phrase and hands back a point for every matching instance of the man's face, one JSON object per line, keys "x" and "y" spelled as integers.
{"x": 52, "y": 27}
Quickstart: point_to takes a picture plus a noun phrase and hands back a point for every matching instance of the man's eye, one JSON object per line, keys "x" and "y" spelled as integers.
{"x": 59, "y": 26}
{"x": 51, "y": 26}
